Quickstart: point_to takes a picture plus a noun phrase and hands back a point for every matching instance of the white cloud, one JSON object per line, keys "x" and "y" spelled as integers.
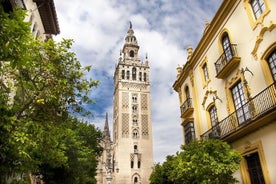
{"x": 163, "y": 28}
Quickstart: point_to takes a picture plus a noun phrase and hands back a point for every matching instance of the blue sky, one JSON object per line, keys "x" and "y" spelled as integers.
{"x": 163, "y": 28}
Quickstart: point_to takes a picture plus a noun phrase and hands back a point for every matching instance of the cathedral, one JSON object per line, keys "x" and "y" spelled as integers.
{"x": 128, "y": 159}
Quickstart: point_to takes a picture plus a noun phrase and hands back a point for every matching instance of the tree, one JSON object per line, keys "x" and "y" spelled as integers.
{"x": 80, "y": 141}
{"x": 160, "y": 174}
{"x": 41, "y": 85}
{"x": 206, "y": 162}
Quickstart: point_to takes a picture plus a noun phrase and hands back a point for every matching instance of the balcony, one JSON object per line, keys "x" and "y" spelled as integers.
{"x": 186, "y": 108}
{"x": 257, "y": 112}
{"x": 227, "y": 62}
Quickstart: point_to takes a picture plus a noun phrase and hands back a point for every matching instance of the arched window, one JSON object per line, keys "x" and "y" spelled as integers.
{"x": 134, "y": 109}
{"x": 134, "y": 98}
{"x": 135, "y": 149}
{"x": 135, "y": 122}
{"x": 187, "y": 92}
{"x": 188, "y": 97}
{"x": 135, "y": 134}
{"x": 226, "y": 45}
{"x": 135, "y": 180}
{"x": 271, "y": 60}
{"x": 131, "y": 53}
{"x": 213, "y": 115}
{"x": 133, "y": 73}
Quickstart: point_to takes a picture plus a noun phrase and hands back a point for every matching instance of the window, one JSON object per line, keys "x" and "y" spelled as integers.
{"x": 135, "y": 134}
{"x": 187, "y": 92}
{"x": 254, "y": 168}
{"x": 135, "y": 122}
{"x": 135, "y": 149}
{"x": 123, "y": 74}
{"x": 133, "y": 73}
{"x": 139, "y": 164}
{"x": 226, "y": 45}
{"x": 134, "y": 109}
{"x": 145, "y": 77}
{"x": 241, "y": 107}
{"x": 272, "y": 64}
{"x": 131, "y": 53}
{"x": 127, "y": 75}
{"x": 134, "y": 98}
{"x": 131, "y": 164}
{"x": 140, "y": 76}
{"x": 214, "y": 122}
{"x": 135, "y": 180}
{"x": 188, "y": 98}
{"x": 258, "y": 7}
{"x": 205, "y": 72}
{"x": 256, "y": 11}
{"x": 213, "y": 115}
{"x": 189, "y": 132}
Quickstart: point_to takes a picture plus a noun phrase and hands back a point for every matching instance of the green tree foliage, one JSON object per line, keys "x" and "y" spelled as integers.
{"x": 206, "y": 162}
{"x": 160, "y": 174}
{"x": 80, "y": 149}
{"x": 41, "y": 85}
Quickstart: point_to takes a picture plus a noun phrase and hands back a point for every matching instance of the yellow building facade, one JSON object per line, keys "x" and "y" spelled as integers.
{"x": 227, "y": 86}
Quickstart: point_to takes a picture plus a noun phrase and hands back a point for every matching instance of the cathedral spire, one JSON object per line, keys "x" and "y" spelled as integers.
{"x": 106, "y": 128}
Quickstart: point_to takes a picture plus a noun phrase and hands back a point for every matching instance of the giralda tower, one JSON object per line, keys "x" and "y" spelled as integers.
{"x": 132, "y": 129}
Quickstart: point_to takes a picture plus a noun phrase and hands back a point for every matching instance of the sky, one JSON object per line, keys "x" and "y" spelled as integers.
{"x": 164, "y": 29}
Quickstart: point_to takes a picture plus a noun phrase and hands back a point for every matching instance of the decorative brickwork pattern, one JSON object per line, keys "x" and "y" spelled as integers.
{"x": 144, "y": 102}
{"x": 125, "y": 100}
{"x": 132, "y": 156}
{"x": 125, "y": 125}
{"x": 145, "y": 129}
{"x": 134, "y": 86}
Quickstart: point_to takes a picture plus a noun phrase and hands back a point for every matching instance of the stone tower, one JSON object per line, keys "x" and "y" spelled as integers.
{"x": 132, "y": 131}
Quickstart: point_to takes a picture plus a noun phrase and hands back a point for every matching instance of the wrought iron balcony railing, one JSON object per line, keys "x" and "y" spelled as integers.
{"x": 227, "y": 61}
{"x": 186, "y": 107}
{"x": 262, "y": 104}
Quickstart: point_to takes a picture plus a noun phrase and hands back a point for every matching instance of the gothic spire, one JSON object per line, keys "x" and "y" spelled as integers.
{"x": 106, "y": 128}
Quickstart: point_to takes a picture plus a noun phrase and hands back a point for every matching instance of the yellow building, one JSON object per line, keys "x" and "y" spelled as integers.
{"x": 227, "y": 86}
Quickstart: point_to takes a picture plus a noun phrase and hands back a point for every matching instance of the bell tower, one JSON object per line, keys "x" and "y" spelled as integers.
{"x": 132, "y": 130}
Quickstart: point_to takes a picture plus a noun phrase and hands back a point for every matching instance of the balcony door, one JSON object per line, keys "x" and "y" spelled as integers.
{"x": 272, "y": 64}
{"x": 254, "y": 168}
{"x": 226, "y": 45}
{"x": 241, "y": 106}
